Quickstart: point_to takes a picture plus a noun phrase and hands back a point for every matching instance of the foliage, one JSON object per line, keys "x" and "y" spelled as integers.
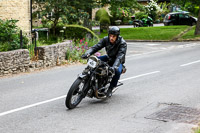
{"x": 183, "y": 3}
{"x": 193, "y": 9}
{"x": 125, "y": 4}
{"x": 191, "y": 6}
{"x": 102, "y": 16}
{"x": 122, "y": 12}
{"x": 78, "y": 48}
{"x": 95, "y": 23}
{"x": 68, "y": 11}
{"x": 152, "y": 8}
{"x": 10, "y": 36}
{"x": 155, "y": 11}
{"x": 46, "y": 23}
{"x": 51, "y": 39}
{"x": 105, "y": 21}
{"x": 74, "y": 32}
{"x": 164, "y": 7}
{"x": 197, "y": 131}
{"x": 194, "y": 3}
{"x": 140, "y": 15}
{"x": 163, "y": 10}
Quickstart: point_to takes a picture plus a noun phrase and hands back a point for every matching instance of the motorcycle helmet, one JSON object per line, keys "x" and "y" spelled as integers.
{"x": 114, "y": 30}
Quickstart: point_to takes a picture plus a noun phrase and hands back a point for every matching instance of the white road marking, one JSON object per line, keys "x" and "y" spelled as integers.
{"x": 142, "y": 75}
{"x": 30, "y": 106}
{"x": 153, "y": 44}
{"x": 194, "y": 62}
{"x": 57, "y": 98}
{"x": 144, "y": 53}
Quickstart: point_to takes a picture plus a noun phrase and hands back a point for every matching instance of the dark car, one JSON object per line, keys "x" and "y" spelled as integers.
{"x": 179, "y": 18}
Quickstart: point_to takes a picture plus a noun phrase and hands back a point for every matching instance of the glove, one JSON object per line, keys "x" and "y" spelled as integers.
{"x": 85, "y": 56}
{"x": 112, "y": 69}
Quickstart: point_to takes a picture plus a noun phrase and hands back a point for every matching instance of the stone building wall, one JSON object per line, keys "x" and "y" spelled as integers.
{"x": 18, "y": 61}
{"x": 18, "y": 10}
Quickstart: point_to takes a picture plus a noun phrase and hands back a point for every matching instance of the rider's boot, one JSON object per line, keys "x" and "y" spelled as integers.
{"x": 109, "y": 92}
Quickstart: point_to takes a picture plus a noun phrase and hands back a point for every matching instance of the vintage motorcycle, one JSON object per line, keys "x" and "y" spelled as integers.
{"x": 94, "y": 81}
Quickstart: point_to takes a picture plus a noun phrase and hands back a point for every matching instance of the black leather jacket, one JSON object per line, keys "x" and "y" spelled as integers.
{"x": 116, "y": 52}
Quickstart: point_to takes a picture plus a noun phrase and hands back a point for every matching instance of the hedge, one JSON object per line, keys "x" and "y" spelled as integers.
{"x": 75, "y": 32}
{"x": 102, "y": 16}
{"x": 10, "y": 36}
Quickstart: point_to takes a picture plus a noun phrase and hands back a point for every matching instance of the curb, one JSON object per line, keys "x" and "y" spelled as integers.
{"x": 147, "y": 40}
{"x": 188, "y": 40}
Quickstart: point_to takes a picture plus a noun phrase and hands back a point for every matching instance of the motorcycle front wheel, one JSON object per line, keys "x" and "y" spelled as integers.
{"x": 75, "y": 94}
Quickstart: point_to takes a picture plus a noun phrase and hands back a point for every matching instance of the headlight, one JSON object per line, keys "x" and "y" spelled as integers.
{"x": 93, "y": 61}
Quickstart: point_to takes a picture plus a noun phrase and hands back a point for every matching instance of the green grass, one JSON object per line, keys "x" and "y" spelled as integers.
{"x": 150, "y": 33}
{"x": 190, "y": 35}
{"x": 197, "y": 131}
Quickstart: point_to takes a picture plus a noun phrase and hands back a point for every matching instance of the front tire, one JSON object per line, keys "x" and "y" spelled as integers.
{"x": 75, "y": 94}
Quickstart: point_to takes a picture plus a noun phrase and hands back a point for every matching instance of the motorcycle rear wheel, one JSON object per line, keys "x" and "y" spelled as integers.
{"x": 75, "y": 94}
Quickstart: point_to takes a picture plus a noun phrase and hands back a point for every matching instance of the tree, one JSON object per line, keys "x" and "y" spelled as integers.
{"x": 193, "y": 2}
{"x": 197, "y": 30}
{"x": 69, "y": 11}
{"x": 116, "y": 4}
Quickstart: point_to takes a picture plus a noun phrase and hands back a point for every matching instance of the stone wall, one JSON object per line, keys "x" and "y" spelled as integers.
{"x": 18, "y": 61}
{"x": 18, "y": 10}
{"x": 14, "y": 62}
{"x": 50, "y": 56}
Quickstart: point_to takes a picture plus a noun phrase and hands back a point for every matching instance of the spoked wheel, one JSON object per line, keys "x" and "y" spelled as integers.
{"x": 75, "y": 94}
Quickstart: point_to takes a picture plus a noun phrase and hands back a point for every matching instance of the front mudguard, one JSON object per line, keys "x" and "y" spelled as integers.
{"x": 86, "y": 84}
{"x": 82, "y": 76}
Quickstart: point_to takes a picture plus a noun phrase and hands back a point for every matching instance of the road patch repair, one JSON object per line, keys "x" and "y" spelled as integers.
{"x": 178, "y": 114}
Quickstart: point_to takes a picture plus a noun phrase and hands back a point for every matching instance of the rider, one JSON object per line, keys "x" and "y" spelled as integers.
{"x": 116, "y": 48}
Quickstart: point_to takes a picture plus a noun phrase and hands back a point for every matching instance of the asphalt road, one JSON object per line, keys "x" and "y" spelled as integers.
{"x": 159, "y": 75}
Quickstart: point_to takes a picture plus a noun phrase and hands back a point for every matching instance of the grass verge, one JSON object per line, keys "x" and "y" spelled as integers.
{"x": 164, "y": 33}
{"x": 190, "y": 35}
{"x": 197, "y": 131}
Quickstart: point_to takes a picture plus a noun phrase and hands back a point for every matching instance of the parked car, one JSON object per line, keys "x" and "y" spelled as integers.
{"x": 179, "y": 18}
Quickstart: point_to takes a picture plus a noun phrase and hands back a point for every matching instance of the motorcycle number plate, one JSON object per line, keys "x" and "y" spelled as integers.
{"x": 92, "y": 63}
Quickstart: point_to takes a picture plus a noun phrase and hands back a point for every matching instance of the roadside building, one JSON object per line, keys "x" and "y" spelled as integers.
{"x": 17, "y": 10}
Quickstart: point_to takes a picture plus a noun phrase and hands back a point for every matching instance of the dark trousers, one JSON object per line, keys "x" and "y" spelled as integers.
{"x": 117, "y": 73}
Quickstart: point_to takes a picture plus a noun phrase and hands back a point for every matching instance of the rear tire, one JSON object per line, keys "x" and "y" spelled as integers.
{"x": 75, "y": 94}
{"x": 193, "y": 23}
